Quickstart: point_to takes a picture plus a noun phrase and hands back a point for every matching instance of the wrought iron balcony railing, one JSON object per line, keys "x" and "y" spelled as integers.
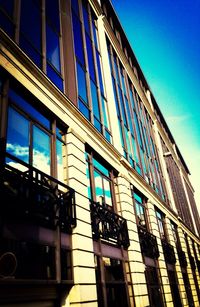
{"x": 168, "y": 251}
{"x": 35, "y": 197}
{"x": 108, "y": 225}
{"x": 148, "y": 243}
{"x": 182, "y": 258}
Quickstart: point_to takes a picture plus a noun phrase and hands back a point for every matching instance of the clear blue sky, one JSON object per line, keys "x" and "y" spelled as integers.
{"x": 165, "y": 37}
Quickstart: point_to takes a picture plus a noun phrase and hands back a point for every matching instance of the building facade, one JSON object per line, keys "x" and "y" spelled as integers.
{"x": 97, "y": 208}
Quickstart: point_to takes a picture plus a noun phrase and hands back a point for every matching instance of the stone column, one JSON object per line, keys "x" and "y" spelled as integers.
{"x": 180, "y": 282}
{"x": 188, "y": 270}
{"x": 161, "y": 259}
{"x": 137, "y": 267}
{"x": 83, "y": 292}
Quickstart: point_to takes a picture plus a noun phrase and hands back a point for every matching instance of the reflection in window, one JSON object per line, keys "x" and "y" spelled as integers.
{"x": 99, "y": 181}
{"x": 30, "y": 138}
{"x": 18, "y": 136}
{"x": 41, "y": 150}
{"x": 140, "y": 209}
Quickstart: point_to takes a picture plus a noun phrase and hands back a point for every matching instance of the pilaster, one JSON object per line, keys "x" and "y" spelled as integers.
{"x": 137, "y": 267}
{"x": 83, "y": 292}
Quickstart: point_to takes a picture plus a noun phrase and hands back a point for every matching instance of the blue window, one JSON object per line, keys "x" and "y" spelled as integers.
{"x": 54, "y": 77}
{"x": 31, "y": 37}
{"x": 90, "y": 58}
{"x": 95, "y": 100}
{"x": 52, "y": 14}
{"x": 53, "y": 48}
{"x": 84, "y": 109}
{"x": 78, "y": 40}
{"x": 81, "y": 82}
{"x": 6, "y": 17}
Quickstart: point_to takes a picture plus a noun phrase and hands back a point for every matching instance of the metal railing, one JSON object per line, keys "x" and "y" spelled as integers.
{"x": 108, "y": 225}
{"x": 148, "y": 243}
{"x": 35, "y": 197}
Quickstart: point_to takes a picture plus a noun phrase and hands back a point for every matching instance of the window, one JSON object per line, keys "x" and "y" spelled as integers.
{"x": 41, "y": 42}
{"x": 175, "y": 233}
{"x": 36, "y": 139}
{"x": 100, "y": 181}
{"x": 153, "y": 286}
{"x": 161, "y": 223}
{"x": 140, "y": 209}
{"x": 92, "y": 100}
{"x": 110, "y": 275}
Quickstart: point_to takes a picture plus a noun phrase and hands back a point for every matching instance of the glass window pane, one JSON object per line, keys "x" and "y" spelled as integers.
{"x": 95, "y": 103}
{"x": 107, "y": 192}
{"x": 81, "y": 83}
{"x": 86, "y": 19}
{"x": 52, "y": 13}
{"x": 98, "y": 186}
{"x": 28, "y": 108}
{"x": 138, "y": 198}
{"x": 105, "y": 112}
{"x": 8, "y": 6}
{"x": 84, "y": 109}
{"x": 41, "y": 150}
{"x": 90, "y": 58}
{"x": 78, "y": 41}
{"x": 53, "y": 47}
{"x": 59, "y": 154}
{"x": 31, "y": 51}
{"x": 31, "y": 15}
{"x": 94, "y": 32}
{"x": 99, "y": 72}
{"x": 88, "y": 180}
{"x": 18, "y": 136}
{"x": 100, "y": 167}
{"x": 6, "y": 25}
{"x": 75, "y": 7}
{"x": 54, "y": 77}
{"x": 97, "y": 124}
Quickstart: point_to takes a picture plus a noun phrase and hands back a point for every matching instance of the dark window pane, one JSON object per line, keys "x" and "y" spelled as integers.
{"x": 52, "y": 14}
{"x": 115, "y": 95}
{"x": 75, "y": 7}
{"x": 95, "y": 100}
{"x": 18, "y": 136}
{"x": 6, "y": 25}
{"x": 84, "y": 110}
{"x": 30, "y": 24}
{"x": 86, "y": 19}
{"x": 81, "y": 83}
{"x": 78, "y": 41}
{"x": 8, "y": 6}
{"x": 54, "y": 77}
{"x": 53, "y": 47}
{"x": 31, "y": 51}
{"x": 28, "y": 108}
{"x": 90, "y": 58}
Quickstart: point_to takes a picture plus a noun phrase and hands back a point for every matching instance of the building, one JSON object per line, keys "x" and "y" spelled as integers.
{"x": 97, "y": 208}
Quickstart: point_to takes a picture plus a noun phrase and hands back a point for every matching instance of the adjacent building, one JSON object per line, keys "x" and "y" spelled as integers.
{"x": 97, "y": 208}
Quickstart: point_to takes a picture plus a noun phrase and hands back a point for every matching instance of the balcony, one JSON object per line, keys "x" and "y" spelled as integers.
{"x": 37, "y": 214}
{"x": 107, "y": 225}
{"x": 34, "y": 197}
{"x": 148, "y": 243}
{"x": 182, "y": 258}
{"x": 168, "y": 251}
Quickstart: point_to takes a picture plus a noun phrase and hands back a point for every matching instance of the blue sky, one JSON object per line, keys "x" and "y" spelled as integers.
{"x": 165, "y": 37}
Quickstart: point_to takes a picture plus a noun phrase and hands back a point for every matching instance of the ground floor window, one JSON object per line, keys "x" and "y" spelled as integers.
{"x": 112, "y": 287}
{"x": 153, "y": 286}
